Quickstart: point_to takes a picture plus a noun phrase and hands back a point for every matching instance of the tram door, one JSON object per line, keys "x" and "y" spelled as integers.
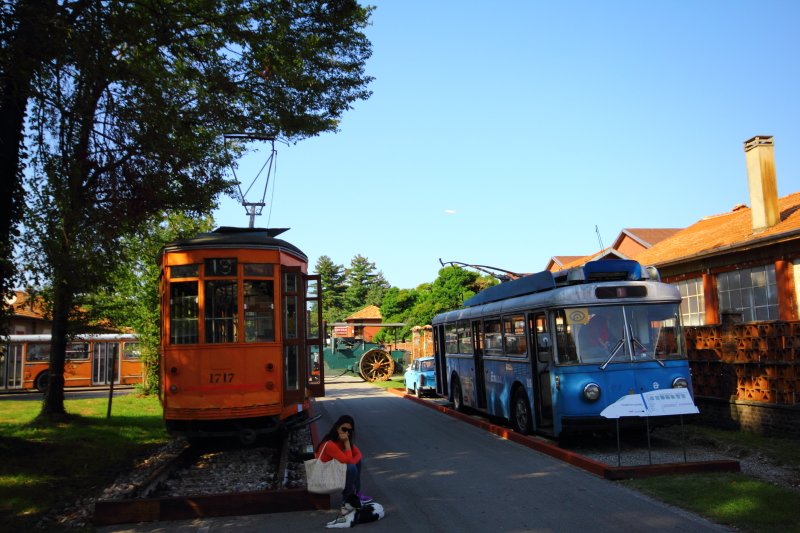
{"x": 537, "y": 326}
{"x": 294, "y": 359}
{"x": 477, "y": 354}
{"x": 11, "y": 366}
{"x": 314, "y": 336}
{"x": 105, "y": 363}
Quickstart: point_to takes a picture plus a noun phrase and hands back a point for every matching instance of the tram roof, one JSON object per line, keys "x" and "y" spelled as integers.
{"x": 231, "y": 237}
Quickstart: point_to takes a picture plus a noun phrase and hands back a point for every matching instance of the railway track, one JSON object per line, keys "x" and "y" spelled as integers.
{"x": 216, "y": 479}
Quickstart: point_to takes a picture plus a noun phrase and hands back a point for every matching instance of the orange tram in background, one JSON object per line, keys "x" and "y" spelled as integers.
{"x": 241, "y": 334}
{"x": 91, "y": 360}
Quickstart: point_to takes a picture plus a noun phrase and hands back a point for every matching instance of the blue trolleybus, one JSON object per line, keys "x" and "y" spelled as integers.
{"x": 550, "y": 351}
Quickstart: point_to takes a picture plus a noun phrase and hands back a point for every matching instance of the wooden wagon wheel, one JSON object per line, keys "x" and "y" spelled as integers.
{"x": 376, "y": 365}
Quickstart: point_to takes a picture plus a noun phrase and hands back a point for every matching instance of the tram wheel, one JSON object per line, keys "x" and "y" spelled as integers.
{"x": 376, "y": 365}
{"x": 458, "y": 398}
{"x": 521, "y": 413}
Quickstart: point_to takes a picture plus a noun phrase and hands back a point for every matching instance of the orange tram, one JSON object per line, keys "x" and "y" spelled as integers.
{"x": 241, "y": 334}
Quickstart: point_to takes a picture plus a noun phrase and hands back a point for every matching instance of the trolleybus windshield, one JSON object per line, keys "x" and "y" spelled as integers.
{"x": 619, "y": 333}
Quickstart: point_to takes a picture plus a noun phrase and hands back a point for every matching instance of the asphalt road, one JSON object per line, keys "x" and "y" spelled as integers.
{"x": 434, "y": 473}
{"x": 68, "y": 394}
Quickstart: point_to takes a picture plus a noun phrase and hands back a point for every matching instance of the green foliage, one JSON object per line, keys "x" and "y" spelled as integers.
{"x": 417, "y": 307}
{"x": 365, "y": 285}
{"x": 333, "y": 287}
{"x": 131, "y": 296}
{"x": 126, "y": 118}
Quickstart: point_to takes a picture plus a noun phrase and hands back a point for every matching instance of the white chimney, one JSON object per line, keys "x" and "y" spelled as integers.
{"x": 760, "y": 156}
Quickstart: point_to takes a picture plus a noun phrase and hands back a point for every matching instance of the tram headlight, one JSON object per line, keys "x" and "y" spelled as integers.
{"x": 680, "y": 383}
{"x": 173, "y": 389}
{"x": 591, "y": 392}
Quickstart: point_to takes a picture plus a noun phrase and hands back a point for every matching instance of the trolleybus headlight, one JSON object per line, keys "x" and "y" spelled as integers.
{"x": 680, "y": 383}
{"x": 591, "y": 392}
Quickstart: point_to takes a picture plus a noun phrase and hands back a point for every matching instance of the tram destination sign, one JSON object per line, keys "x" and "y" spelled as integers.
{"x": 654, "y": 403}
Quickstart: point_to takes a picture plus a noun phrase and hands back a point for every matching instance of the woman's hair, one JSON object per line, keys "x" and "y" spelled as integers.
{"x": 333, "y": 433}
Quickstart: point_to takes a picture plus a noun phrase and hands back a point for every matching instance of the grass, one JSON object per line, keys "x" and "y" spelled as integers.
{"x": 46, "y": 467}
{"x": 735, "y": 500}
{"x": 394, "y": 382}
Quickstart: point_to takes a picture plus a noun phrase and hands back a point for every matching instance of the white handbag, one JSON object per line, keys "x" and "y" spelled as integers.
{"x": 325, "y": 478}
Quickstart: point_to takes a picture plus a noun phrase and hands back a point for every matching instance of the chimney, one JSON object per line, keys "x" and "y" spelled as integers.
{"x": 760, "y": 157}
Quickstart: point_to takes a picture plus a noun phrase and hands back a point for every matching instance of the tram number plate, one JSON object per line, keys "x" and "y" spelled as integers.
{"x": 221, "y": 377}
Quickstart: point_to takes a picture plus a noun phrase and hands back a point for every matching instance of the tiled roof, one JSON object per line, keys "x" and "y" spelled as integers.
{"x": 23, "y": 307}
{"x": 719, "y": 232}
{"x": 370, "y": 311}
{"x": 561, "y": 260}
{"x": 648, "y": 237}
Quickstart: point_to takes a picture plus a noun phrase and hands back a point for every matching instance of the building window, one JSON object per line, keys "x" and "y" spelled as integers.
{"x": 693, "y": 302}
{"x": 751, "y": 292}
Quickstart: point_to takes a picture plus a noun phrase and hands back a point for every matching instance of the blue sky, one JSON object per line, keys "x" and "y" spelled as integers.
{"x": 501, "y": 133}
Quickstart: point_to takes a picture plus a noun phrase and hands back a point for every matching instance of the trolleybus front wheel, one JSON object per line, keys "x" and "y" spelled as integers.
{"x": 521, "y": 413}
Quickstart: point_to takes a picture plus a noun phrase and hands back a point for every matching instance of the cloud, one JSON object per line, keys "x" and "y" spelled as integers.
{"x": 450, "y": 211}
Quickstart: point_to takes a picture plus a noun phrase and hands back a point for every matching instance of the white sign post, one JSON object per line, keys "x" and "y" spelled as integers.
{"x": 664, "y": 402}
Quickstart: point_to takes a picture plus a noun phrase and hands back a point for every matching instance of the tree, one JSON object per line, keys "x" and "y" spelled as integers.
{"x": 130, "y": 297}
{"x": 127, "y": 121}
{"x": 333, "y": 288}
{"x": 365, "y": 285}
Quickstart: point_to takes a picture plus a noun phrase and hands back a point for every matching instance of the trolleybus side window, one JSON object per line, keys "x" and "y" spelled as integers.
{"x": 183, "y": 311}
{"x": 77, "y": 351}
{"x": 540, "y": 336}
{"x": 221, "y": 311}
{"x": 464, "y": 337}
{"x": 514, "y": 333}
{"x": 566, "y": 344}
{"x": 259, "y": 310}
{"x": 451, "y": 338}
{"x": 493, "y": 337}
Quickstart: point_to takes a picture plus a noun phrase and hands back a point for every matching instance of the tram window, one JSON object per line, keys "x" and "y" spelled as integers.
{"x": 77, "y": 350}
{"x": 259, "y": 311}
{"x": 464, "y": 337}
{"x": 290, "y": 317}
{"x": 220, "y": 267}
{"x": 221, "y": 311}
{"x": 312, "y": 320}
{"x": 514, "y": 334}
{"x": 131, "y": 351}
{"x": 183, "y": 271}
{"x": 262, "y": 270}
{"x": 291, "y": 365}
{"x": 38, "y": 352}
{"x": 451, "y": 339}
{"x": 493, "y": 335}
{"x": 183, "y": 311}
{"x": 313, "y": 364}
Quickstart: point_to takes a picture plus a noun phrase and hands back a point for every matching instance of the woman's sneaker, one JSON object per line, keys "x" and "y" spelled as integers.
{"x": 363, "y": 498}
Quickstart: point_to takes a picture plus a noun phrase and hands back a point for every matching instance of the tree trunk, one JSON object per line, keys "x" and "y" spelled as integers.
{"x": 53, "y": 405}
{"x": 28, "y": 46}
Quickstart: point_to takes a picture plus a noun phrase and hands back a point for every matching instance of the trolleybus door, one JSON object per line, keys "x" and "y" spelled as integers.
{"x": 441, "y": 361}
{"x": 294, "y": 359}
{"x": 314, "y": 336}
{"x": 105, "y": 363}
{"x": 477, "y": 354}
{"x": 11, "y": 366}
{"x": 542, "y": 362}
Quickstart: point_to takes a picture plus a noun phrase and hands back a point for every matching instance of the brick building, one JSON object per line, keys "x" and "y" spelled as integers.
{"x": 739, "y": 275}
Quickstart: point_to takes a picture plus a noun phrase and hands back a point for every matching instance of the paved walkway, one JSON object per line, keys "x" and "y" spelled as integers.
{"x": 433, "y": 472}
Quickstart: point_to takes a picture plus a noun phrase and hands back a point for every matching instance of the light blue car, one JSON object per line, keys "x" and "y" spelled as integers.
{"x": 420, "y": 378}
